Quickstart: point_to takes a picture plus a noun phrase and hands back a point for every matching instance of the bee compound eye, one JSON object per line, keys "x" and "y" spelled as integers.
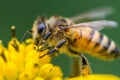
{"x": 41, "y": 27}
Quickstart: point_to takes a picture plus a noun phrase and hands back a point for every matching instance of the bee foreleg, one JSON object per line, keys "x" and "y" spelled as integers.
{"x": 45, "y": 38}
{"x": 44, "y": 43}
{"x": 26, "y": 35}
{"x": 45, "y": 46}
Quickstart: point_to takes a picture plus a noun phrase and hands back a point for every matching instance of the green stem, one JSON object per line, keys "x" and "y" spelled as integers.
{"x": 77, "y": 66}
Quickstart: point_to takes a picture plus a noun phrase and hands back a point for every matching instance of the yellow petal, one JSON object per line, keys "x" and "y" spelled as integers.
{"x": 48, "y": 71}
{"x": 10, "y": 70}
{"x": 57, "y": 78}
{"x": 25, "y": 76}
{"x": 38, "y": 78}
{"x": 96, "y": 77}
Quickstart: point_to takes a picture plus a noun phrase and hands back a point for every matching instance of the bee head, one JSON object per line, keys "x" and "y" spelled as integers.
{"x": 41, "y": 24}
{"x": 41, "y": 27}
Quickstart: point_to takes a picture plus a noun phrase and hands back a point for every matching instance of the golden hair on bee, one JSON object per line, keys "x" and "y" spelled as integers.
{"x": 81, "y": 37}
{"x": 88, "y": 40}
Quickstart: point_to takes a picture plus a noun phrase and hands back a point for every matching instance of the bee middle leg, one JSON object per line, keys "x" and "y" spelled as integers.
{"x": 56, "y": 48}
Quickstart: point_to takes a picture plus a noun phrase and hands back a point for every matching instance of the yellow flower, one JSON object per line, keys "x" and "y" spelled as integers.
{"x": 23, "y": 61}
{"x": 96, "y": 77}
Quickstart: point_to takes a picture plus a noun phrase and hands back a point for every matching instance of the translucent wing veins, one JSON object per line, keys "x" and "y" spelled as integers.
{"x": 98, "y": 25}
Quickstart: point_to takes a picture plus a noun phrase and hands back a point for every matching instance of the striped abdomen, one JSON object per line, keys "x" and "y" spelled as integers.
{"x": 85, "y": 39}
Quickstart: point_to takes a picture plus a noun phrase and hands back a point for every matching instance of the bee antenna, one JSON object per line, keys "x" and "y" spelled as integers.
{"x": 43, "y": 18}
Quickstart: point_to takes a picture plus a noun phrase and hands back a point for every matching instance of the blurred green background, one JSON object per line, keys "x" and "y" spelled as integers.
{"x": 22, "y": 13}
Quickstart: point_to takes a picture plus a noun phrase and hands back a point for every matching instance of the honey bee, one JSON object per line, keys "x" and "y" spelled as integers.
{"x": 77, "y": 38}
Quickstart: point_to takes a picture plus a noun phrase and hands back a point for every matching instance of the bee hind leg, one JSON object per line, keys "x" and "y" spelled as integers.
{"x": 80, "y": 66}
{"x": 86, "y": 68}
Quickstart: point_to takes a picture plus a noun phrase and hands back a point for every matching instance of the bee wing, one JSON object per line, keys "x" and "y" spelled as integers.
{"x": 98, "y": 25}
{"x": 93, "y": 14}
